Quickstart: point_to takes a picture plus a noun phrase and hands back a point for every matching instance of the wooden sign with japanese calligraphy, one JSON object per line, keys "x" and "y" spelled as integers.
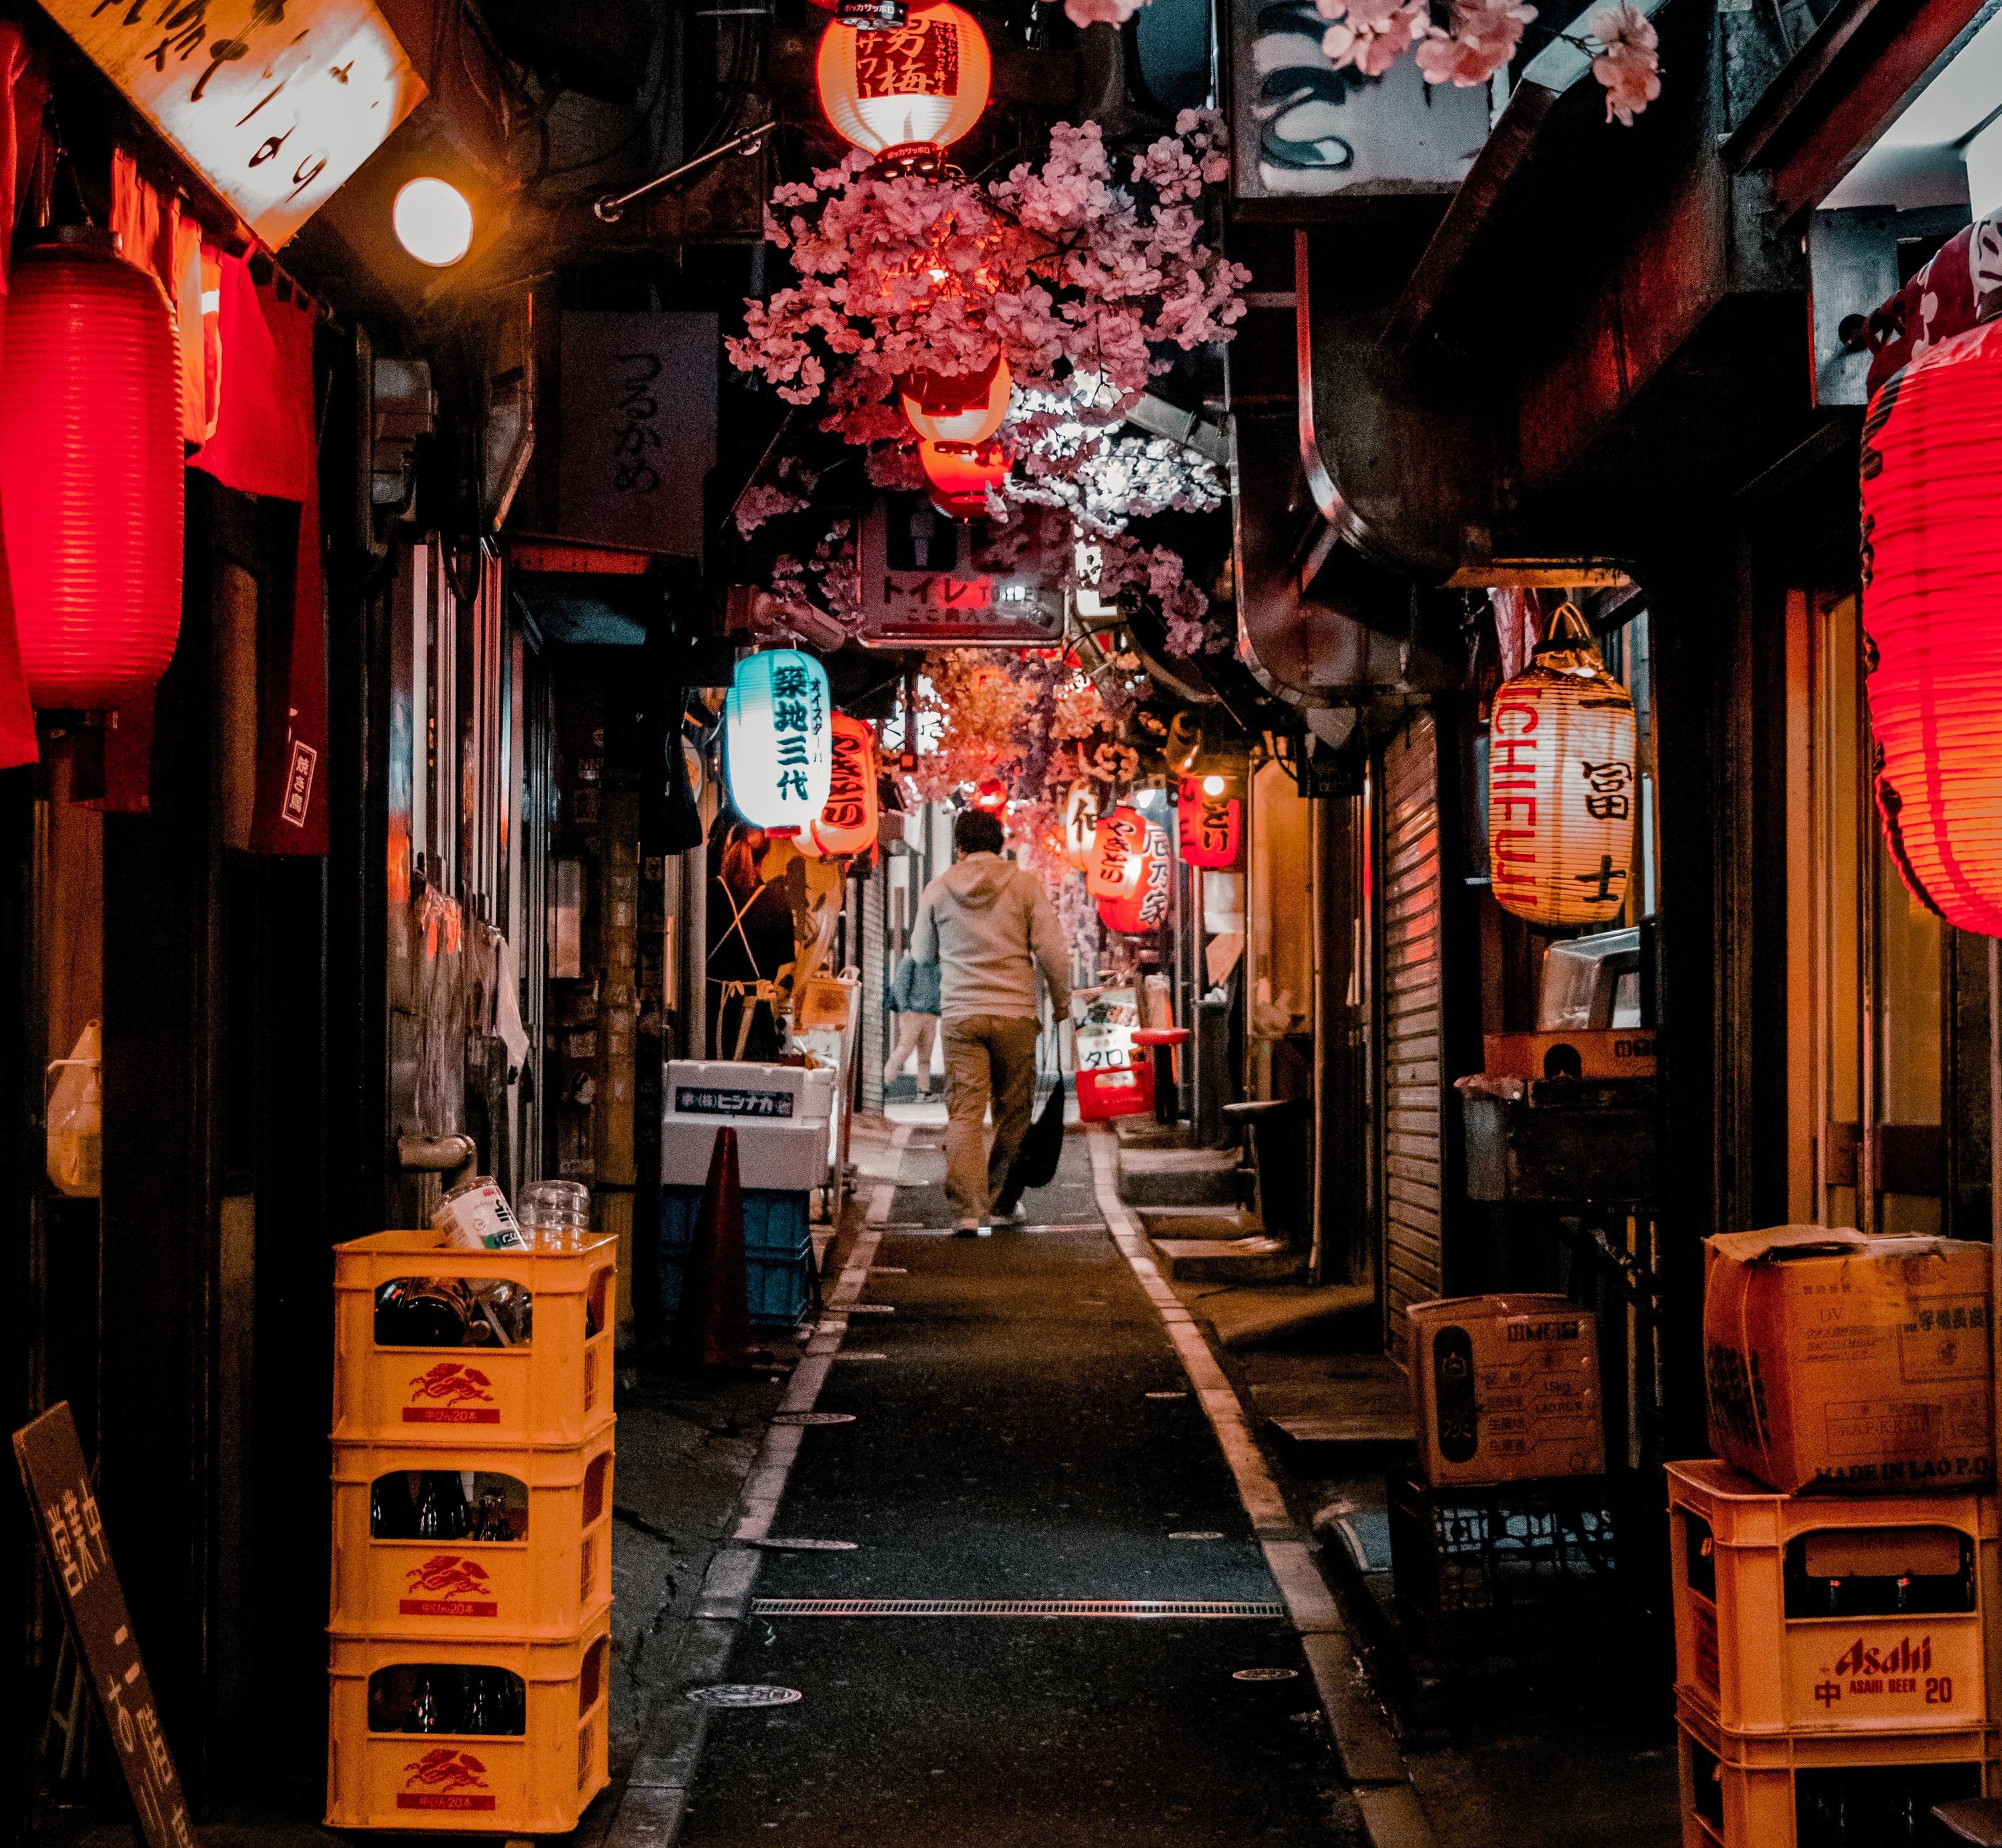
{"x": 57, "y": 1480}
{"x": 274, "y": 102}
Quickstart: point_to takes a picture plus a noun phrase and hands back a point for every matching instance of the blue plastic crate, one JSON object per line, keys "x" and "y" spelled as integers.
{"x": 778, "y": 1252}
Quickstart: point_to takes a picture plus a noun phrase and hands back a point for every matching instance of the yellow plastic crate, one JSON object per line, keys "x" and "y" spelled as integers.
{"x": 1781, "y": 1790}
{"x": 554, "y": 1389}
{"x": 551, "y": 1581}
{"x": 1755, "y": 1668}
{"x": 536, "y": 1782}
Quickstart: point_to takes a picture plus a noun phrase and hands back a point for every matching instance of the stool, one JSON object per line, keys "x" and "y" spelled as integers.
{"x": 1163, "y": 1040}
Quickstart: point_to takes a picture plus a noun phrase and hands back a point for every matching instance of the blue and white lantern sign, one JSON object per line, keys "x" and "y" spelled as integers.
{"x": 778, "y": 728}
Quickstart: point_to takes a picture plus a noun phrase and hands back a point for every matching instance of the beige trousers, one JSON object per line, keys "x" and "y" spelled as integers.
{"x": 915, "y": 1034}
{"x": 988, "y": 1057}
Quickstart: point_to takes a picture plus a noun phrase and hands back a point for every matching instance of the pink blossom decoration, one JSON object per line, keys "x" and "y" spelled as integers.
{"x": 1628, "y": 66}
{"x": 1483, "y": 39}
{"x": 1101, "y": 12}
{"x": 1370, "y": 36}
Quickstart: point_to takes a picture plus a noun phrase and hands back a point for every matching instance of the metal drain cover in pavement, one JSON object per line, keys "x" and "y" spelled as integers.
{"x": 888, "y": 1270}
{"x": 1197, "y": 1533}
{"x": 1265, "y": 1675}
{"x": 814, "y": 1418}
{"x": 773, "y": 1545}
{"x": 1167, "y": 1395}
{"x": 744, "y": 1693}
{"x": 845, "y": 1355}
{"x": 870, "y": 1309}
{"x": 1012, "y": 1607}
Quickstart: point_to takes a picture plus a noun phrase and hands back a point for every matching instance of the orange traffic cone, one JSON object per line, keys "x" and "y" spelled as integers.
{"x": 713, "y": 1329}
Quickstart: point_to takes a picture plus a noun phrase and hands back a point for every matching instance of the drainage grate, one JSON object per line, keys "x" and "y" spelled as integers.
{"x": 1012, "y": 1607}
{"x": 744, "y": 1693}
{"x": 813, "y": 1418}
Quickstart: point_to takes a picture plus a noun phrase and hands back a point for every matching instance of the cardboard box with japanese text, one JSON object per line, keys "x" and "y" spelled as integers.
{"x": 1847, "y": 1363}
{"x": 1506, "y": 1389}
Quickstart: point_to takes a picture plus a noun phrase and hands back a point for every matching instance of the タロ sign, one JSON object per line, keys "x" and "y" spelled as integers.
{"x": 274, "y": 102}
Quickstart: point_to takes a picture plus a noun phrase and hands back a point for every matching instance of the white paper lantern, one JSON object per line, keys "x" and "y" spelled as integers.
{"x": 1081, "y": 822}
{"x": 777, "y": 732}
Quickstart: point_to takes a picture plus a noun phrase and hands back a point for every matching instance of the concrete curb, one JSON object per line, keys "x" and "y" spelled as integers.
{"x": 1372, "y": 1764}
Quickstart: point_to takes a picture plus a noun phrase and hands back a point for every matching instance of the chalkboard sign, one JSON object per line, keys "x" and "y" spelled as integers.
{"x": 58, "y": 1483}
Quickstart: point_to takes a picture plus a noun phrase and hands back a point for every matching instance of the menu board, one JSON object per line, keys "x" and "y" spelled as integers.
{"x": 1104, "y": 1026}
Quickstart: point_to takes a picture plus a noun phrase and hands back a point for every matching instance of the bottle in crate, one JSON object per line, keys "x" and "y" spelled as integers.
{"x": 1803, "y": 1614}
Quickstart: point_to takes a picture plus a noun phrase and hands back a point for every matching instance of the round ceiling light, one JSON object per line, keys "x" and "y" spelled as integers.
{"x": 434, "y": 221}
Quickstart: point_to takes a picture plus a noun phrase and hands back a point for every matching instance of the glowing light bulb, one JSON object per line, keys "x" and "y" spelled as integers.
{"x": 434, "y": 221}
{"x": 1213, "y": 785}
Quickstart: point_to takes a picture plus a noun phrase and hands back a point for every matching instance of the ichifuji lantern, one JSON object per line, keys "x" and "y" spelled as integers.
{"x": 1561, "y": 785}
{"x": 777, "y": 739}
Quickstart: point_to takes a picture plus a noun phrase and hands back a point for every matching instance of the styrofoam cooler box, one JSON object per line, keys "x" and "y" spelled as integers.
{"x": 732, "y": 1090}
{"x": 779, "y": 1112}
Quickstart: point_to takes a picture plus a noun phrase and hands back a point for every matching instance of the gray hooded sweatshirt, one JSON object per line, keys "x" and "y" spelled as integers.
{"x": 989, "y": 925}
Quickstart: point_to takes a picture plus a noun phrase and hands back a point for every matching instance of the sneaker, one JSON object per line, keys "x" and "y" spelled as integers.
{"x": 1016, "y": 1215}
{"x": 969, "y": 1228}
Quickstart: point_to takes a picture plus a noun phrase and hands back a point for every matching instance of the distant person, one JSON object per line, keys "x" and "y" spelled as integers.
{"x": 750, "y": 949}
{"x": 989, "y": 926}
{"x": 914, "y": 993}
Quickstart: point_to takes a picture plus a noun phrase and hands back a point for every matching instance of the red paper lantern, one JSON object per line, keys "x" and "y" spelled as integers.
{"x": 1932, "y": 578}
{"x": 91, "y": 474}
{"x": 962, "y": 407}
{"x": 1146, "y": 908}
{"x": 1561, "y": 787}
{"x": 908, "y": 88}
{"x": 1118, "y": 856}
{"x": 961, "y": 475}
{"x": 1208, "y": 824}
{"x": 849, "y": 822}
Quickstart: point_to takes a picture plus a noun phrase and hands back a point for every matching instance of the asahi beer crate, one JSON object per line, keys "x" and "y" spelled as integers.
{"x": 1868, "y": 1790}
{"x": 488, "y": 1738}
{"x": 482, "y": 1542}
{"x": 1804, "y": 1615}
{"x": 538, "y": 1373}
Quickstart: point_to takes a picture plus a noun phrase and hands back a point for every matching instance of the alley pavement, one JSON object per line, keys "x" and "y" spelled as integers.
{"x": 1018, "y": 1429}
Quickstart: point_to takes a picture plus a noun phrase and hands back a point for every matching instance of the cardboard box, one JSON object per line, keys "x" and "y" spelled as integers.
{"x": 1846, "y": 1364}
{"x": 1506, "y": 1389}
{"x": 1613, "y": 1052}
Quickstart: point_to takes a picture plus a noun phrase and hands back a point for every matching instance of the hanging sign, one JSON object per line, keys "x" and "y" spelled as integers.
{"x": 71, "y": 1532}
{"x": 777, "y": 734}
{"x": 1209, "y": 827}
{"x": 274, "y": 102}
{"x": 1081, "y": 822}
{"x": 920, "y": 587}
{"x": 848, "y": 823}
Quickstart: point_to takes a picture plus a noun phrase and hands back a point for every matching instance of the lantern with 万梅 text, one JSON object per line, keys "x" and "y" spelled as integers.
{"x": 91, "y": 474}
{"x": 777, "y": 739}
{"x": 1145, "y": 909}
{"x": 1119, "y": 866}
{"x": 1932, "y": 586}
{"x": 1562, "y": 791}
{"x": 909, "y": 89}
{"x": 1208, "y": 822}
{"x": 1080, "y": 821}
{"x": 848, "y": 823}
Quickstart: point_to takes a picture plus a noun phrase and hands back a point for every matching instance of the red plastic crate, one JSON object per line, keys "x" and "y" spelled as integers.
{"x": 1115, "y": 1091}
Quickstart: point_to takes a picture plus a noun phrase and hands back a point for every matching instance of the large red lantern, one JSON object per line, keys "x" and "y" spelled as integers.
{"x": 1560, "y": 783}
{"x": 962, "y": 475}
{"x": 1209, "y": 822}
{"x": 1932, "y": 578}
{"x": 1118, "y": 868}
{"x": 906, "y": 89}
{"x": 849, "y": 822}
{"x": 91, "y": 474}
{"x": 957, "y": 407}
{"x": 1146, "y": 908}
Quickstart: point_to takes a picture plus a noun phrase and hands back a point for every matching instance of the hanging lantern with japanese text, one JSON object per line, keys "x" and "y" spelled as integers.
{"x": 962, "y": 476}
{"x": 1561, "y": 784}
{"x": 1146, "y": 908}
{"x": 1081, "y": 822}
{"x": 907, "y": 90}
{"x": 778, "y": 739}
{"x": 957, "y": 407}
{"x": 1208, "y": 822}
{"x": 848, "y": 823}
{"x": 1119, "y": 866}
{"x": 1932, "y": 585}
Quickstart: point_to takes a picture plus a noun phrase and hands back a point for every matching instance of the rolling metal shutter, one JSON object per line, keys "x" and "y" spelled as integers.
{"x": 1412, "y": 1065}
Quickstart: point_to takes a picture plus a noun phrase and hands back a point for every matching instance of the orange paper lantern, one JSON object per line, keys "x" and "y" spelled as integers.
{"x": 906, "y": 89}
{"x": 1146, "y": 908}
{"x": 848, "y": 823}
{"x": 1208, "y": 826}
{"x": 1932, "y": 584}
{"x": 1080, "y": 821}
{"x": 961, "y": 476}
{"x": 1119, "y": 866}
{"x": 963, "y": 407}
{"x": 1561, "y": 785}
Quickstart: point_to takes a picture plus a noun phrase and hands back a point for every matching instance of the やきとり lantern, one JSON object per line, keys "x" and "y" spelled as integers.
{"x": 1561, "y": 787}
{"x": 849, "y": 822}
{"x": 1209, "y": 822}
{"x": 1145, "y": 909}
{"x": 1932, "y": 588}
{"x": 1118, "y": 867}
{"x": 777, "y": 739}
{"x": 91, "y": 479}
{"x": 913, "y": 88}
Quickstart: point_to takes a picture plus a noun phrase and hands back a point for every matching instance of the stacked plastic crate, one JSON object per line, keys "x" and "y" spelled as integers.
{"x": 471, "y": 1573}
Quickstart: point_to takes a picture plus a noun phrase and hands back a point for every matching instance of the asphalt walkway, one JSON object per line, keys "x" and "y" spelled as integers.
{"x": 1018, "y": 1429}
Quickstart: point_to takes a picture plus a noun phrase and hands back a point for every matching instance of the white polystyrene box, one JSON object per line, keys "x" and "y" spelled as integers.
{"x": 786, "y": 1155}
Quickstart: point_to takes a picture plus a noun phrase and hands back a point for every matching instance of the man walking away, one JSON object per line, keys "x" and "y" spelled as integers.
{"x": 914, "y": 993}
{"x": 989, "y": 926}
